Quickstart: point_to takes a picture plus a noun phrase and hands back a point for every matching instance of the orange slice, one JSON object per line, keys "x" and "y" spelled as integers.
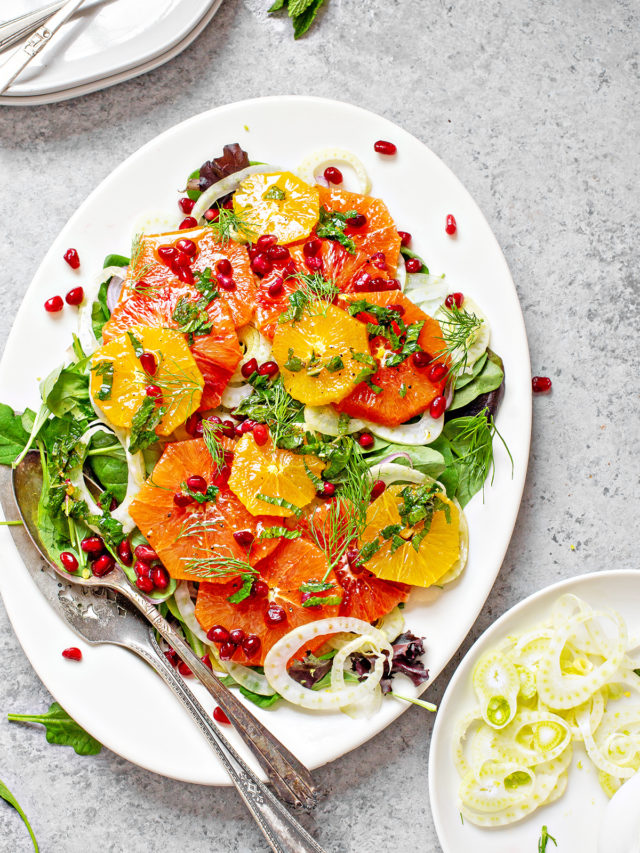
{"x": 323, "y": 339}
{"x": 278, "y": 203}
{"x": 185, "y": 538}
{"x": 275, "y": 473}
{"x": 284, "y": 571}
{"x": 395, "y": 404}
{"x": 150, "y": 269}
{"x": 437, "y": 552}
{"x": 217, "y": 352}
{"x": 177, "y": 376}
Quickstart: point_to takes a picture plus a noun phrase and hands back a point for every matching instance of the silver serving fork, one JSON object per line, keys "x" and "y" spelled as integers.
{"x": 289, "y": 777}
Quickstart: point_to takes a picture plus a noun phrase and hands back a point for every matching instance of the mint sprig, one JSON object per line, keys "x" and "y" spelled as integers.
{"x": 302, "y": 13}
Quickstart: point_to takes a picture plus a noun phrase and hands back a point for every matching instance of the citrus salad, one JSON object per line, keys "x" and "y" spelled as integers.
{"x": 271, "y": 419}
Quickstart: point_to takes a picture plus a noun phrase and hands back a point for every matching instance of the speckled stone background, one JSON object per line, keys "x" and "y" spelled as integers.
{"x": 535, "y": 106}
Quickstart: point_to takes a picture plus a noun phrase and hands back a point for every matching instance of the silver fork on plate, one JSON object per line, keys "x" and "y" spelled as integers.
{"x": 100, "y": 616}
{"x": 13, "y": 31}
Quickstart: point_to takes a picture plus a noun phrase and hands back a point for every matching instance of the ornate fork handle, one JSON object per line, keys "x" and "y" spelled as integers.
{"x": 282, "y": 831}
{"x": 289, "y": 777}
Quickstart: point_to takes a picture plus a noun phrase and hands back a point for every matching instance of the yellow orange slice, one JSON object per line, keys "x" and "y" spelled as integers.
{"x": 318, "y": 339}
{"x": 278, "y": 203}
{"x": 177, "y": 377}
{"x": 437, "y": 552}
{"x": 274, "y": 473}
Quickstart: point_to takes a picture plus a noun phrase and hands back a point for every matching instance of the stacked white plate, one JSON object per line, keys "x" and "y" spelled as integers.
{"x": 105, "y": 42}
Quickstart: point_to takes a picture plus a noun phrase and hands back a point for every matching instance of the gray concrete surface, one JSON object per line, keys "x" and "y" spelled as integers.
{"x": 535, "y": 106}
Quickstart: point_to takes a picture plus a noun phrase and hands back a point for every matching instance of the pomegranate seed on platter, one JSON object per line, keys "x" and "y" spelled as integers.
{"x": 144, "y": 584}
{"x": 377, "y": 489}
{"x": 74, "y": 296}
{"x": 357, "y": 221}
{"x": 275, "y": 289}
{"x": 72, "y": 653}
{"x": 405, "y": 238}
{"x": 275, "y": 615}
{"x": 124, "y": 552}
{"x": 268, "y": 368}
{"x": 184, "y": 670}
{"x": 69, "y": 561}
{"x": 211, "y": 215}
{"x": 244, "y": 538}
{"x": 225, "y": 282}
{"x": 92, "y": 544}
{"x": 223, "y": 266}
{"x": 145, "y": 552}
{"x": 541, "y": 384}
{"x": 182, "y": 499}
{"x": 311, "y": 247}
{"x": 188, "y": 222}
{"x": 328, "y": 490}
{"x": 437, "y": 407}
{"x": 266, "y": 242}
{"x": 159, "y": 577}
{"x": 149, "y": 363}
{"x": 384, "y": 147}
{"x": 186, "y": 204}
{"x": 187, "y": 247}
{"x": 366, "y": 440}
{"x": 421, "y": 359}
{"x": 167, "y": 254}
{"x": 458, "y": 298}
{"x": 333, "y": 175}
{"x": 260, "y": 434}
{"x": 197, "y": 483}
{"x": 227, "y": 651}
{"x": 251, "y": 645}
{"x": 437, "y": 372}
{"x": 451, "y": 225}
{"x": 218, "y": 634}
{"x": 236, "y": 636}
{"x": 278, "y": 253}
{"x": 249, "y": 367}
{"x": 314, "y": 264}
{"x": 413, "y": 265}
{"x": 54, "y": 304}
{"x": 220, "y": 717}
{"x": 142, "y": 569}
{"x": 72, "y": 258}
{"x": 260, "y": 589}
{"x": 103, "y": 565}
{"x": 261, "y": 265}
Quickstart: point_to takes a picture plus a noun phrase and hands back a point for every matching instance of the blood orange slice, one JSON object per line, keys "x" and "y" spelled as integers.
{"x": 406, "y": 389}
{"x": 155, "y": 274}
{"x": 186, "y": 538}
{"x": 292, "y": 564}
{"x": 366, "y": 596}
{"x": 216, "y": 351}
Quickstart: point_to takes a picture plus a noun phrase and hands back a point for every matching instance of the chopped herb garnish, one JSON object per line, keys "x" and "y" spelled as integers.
{"x": 275, "y": 193}
{"x": 409, "y": 346}
{"x": 279, "y": 533}
{"x": 460, "y": 329}
{"x": 313, "y": 292}
{"x": 232, "y": 226}
{"x": 136, "y": 344}
{"x": 191, "y": 318}
{"x": 403, "y": 390}
{"x": 293, "y": 363}
{"x": 544, "y": 840}
{"x": 334, "y": 364}
{"x": 143, "y": 425}
{"x": 210, "y": 495}
{"x": 105, "y": 370}
{"x": 319, "y": 600}
{"x": 315, "y": 586}
{"x": 331, "y": 226}
{"x": 280, "y": 502}
{"x": 205, "y": 284}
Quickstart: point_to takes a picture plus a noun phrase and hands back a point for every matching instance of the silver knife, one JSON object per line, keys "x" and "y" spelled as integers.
{"x": 19, "y": 28}
{"x": 35, "y": 43}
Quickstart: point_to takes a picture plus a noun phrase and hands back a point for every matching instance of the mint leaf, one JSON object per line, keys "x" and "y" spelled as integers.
{"x": 61, "y": 729}
{"x": 331, "y": 225}
{"x": 143, "y": 425}
{"x": 243, "y": 592}
{"x": 105, "y": 370}
{"x": 8, "y": 797}
{"x": 302, "y": 23}
{"x": 279, "y": 532}
{"x": 280, "y": 502}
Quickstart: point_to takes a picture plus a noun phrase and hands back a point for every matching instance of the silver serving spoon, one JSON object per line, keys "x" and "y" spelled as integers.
{"x": 289, "y": 777}
{"x": 101, "y": 616}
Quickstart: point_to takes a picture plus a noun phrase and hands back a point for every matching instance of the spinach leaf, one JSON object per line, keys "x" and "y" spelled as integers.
{"x": 61, "y": 729}
{"x": 66, "y": 390}
{"x": 426, "y": 459}
{"x": 465, "y": 378}
{"x": 116, "y": 261}
{"x": 489, "y": 378}
{"x": 408, "y": 253}
{"x": 99, "y": 311}
{"x": 13, "y": 435}
{"x": 256, "y": 698}
{"x": 8, "y": 797}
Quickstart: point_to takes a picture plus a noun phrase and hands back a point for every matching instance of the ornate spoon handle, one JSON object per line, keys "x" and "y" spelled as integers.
{"x": 289, "y": 777}
{"x": 282, "y": 831}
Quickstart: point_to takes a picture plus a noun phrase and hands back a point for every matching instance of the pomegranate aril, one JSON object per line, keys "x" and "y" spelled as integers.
{"x": 275, "y": 289}
{"x": 333, "y": 175}
{"x": 54, "y": 304}
{"x": 186, "y": 204}
{"x": 225, "y": 282}
{"x": 541, "y": 384}
{"x": 149, "y": 363}
{"x": 437, "y": 407}
{"x": 377, "y": 489}
{"x": 268, "y": 368}
{"x": 218, "y": 634}
{"x": 251, "y": 645}
{"x": 454, "y": 298}
{"x": 363, "y": 282}
{"x": 327, "y": 490}
{"x": 421, "y": 359}
{"x": 187, "y": 247}
{"x": 159, "y": 577}
{"x": 311, "y": 247}
{"x": 357, "y": 221}
{"x": 206, "y": 660}
{"x": 184, "y": 670}
{"x": 405, "y": 238}
{"x": 212, "y": 214}
{"x": 244, "y": 538}
{"x": 260, "y": 589}
{"x": 260, "y": 434}
{"x": 451, "y": 226}
{"x": 384, "y": 147}
{"x": 278, "y": 253}
{"x": 191, "y": 424}
{"x": 391, "y": 284}
{"x": 142, "y": 568}
{"x": 223, "y": 266}
{"x": 188, "y": 222}
{"x": 69, "y": 561}
{"x": 103, "y": 565}
{"x": 153, "y": 391}
{"x": 92, "y": 544}
{"x": 275, "y": 615}
{"x": 145, "y": 552}
{"x": 236, "y": 636}
{"x": 227, "y": 651}
{"x": 266, "y": 242}
{"x": 182, "y": 499}
{"x": 228, "y": 429}
{"x": 249, "y": 367}
{"x": 74, "y": 296}
{"x": 413, "y": 265}
{"x": 72, "y": 653}
{"x": 220, "y": 717}
{"x": 144, "y": 584}
{"x": 366, "y": 440}
{"x": 197, "y": 483}
{"x": 261, "y": 265}
{"x": 124, "y": 552}
{"x": 314, "y": 264}
{"x": 185, "y": 275}
{"x": 437, "y": 372}
{"x": 72, "y": 258}
{"x": 167, "y": 254}
{"x": 172, "y": 656}
{"x": 379, "y": 261}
